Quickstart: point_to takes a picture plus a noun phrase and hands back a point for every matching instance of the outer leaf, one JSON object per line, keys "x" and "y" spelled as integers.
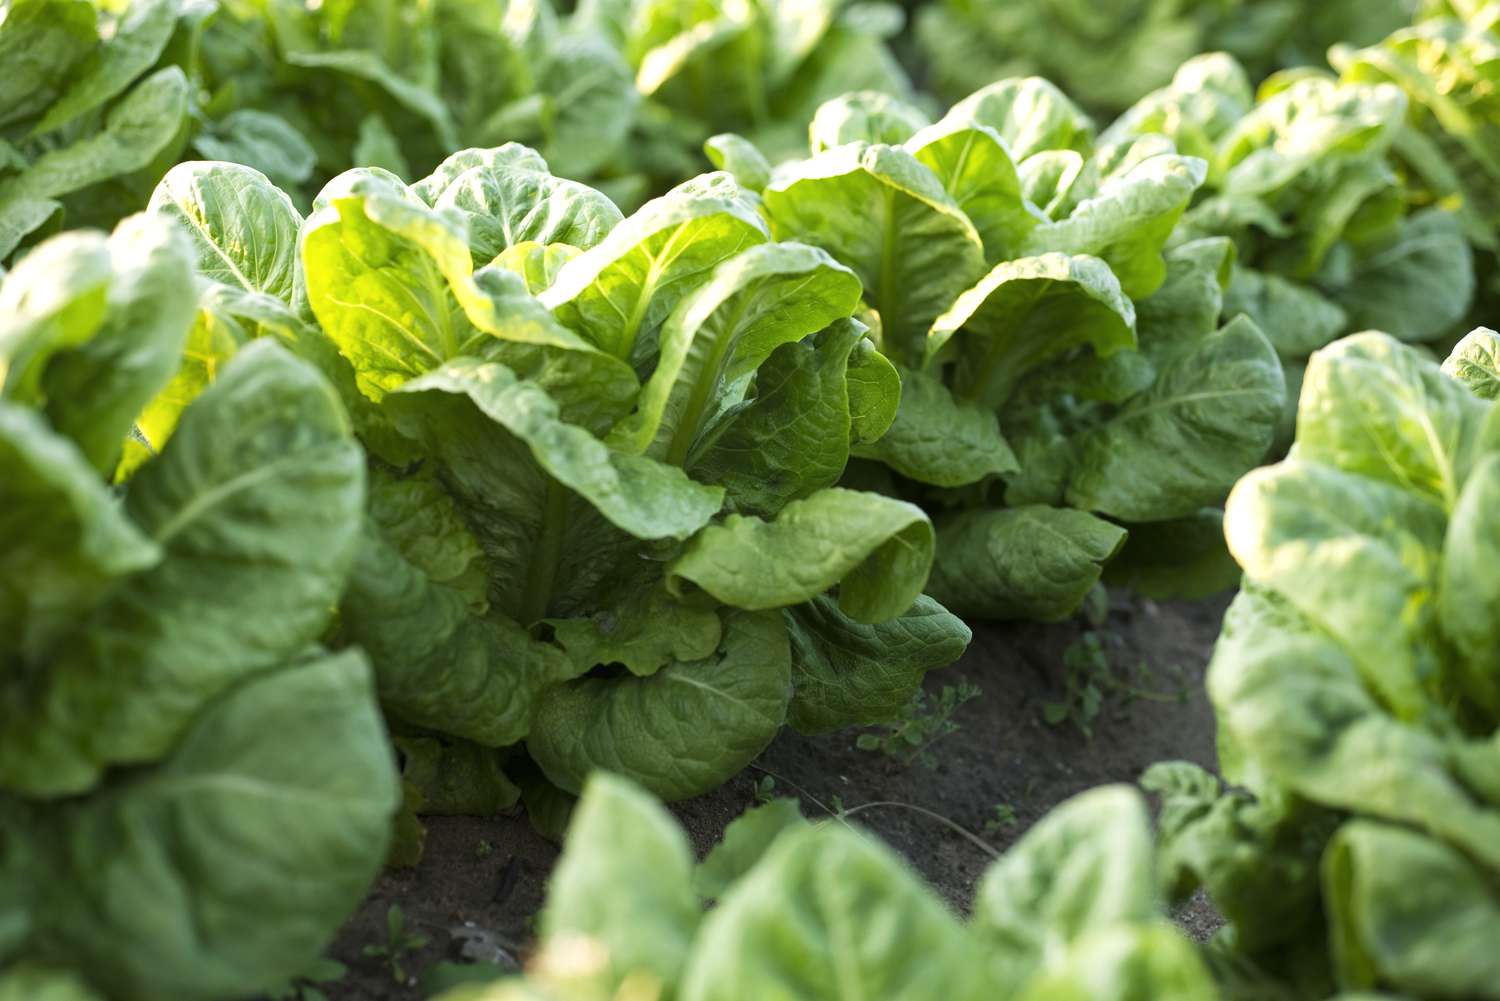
{"x": 940, "y": 439}
{"x": 739, "y": 156}
{"x": 643, "y": 631}
{"x": 1417, "y": 285}
{"x": 831, "y": 914}
{"x": 1082, "y": 869}
{"x": 301, "y": 749}
{"x": 877, "y": 550}
{"x": 1181, "y": 445}
{"x": 1297, "y": 319}
{"x": 1386, "y": 934}
{"x": 881, "y": 212}
{"x": 258, "y": 492}
{"x": 55, "y": 299}
{"x": 67, "y": 540}
{"x": 438, "y": 663}
{"x": 681, "y": 732}
{"x": 625, "y": 881}
{"x": 846, "y": 673}
{"x": 1031, "y": 562}
{"x": 1468, "y": 598}
{"x": 95, "y": 390}
{"x": 1375, "y": 407}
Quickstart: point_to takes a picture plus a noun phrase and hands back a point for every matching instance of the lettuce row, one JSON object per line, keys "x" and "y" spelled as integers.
{"x": 1357, "y": 691}
{"x": 604, "y": 518}
{"x": 811, "y": 911}
{"x": 167, "y": 714}
{"x": 1308, "y": 175}
{"x": 1066, "y": 365}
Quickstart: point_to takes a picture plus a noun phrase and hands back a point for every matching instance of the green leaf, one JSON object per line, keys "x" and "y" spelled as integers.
{"x": 262, "y": 141}
{"x": 1375, "y": 407}
{"x": 1025, "y": 312}
{"x": 643, "y": 631}
{"x": 1468, "y": 597}
{"x": 765, "y": 297}
{"x": 1084, "y": 868}
{"x": 617, "y": 294}
{"x": 792, "y": 438}
{"x": 96, "y": 388}
{"x": 1417, "y": 284}
{"x": 1298, "y": 320}
{"x": 68, "y": 541}
{"x": 864, "y": 116}
{"x": 1384, "y": 934}
{"x": 1144, "y": 961}
{"x": 1304, "y": 529}
{"x": 1032, "y": 562}
{"x": 878, "y": 210}
{"x": 439, "y": 663}
{"x": 1475, "y": 362}
{"x": 681, "y": 732}
{"x": 507, "y": 200}
{"x": 41, "y": 43}
{"x": 875, "y": 549}
{"x": 829, "y": 913}
{"x": 847, "y": 673}
{"x": 136, "y": 129}
{"x": 54, "y": 300}
{"x": 1127, "y": 221}
{"x": 254, "y": 506}
{"x": 1030, "y": 114}
{"x": 746, "y": 841}
{"x": 625, "y": 881}
{"x": 26, "y": 982}
{"x": 739, "y": 156}
{"x": 1179, "y": 446}
{"x": 1181, "y": 559}
{"x": 299, "y": 749}
{"x": 977, "y": 171}
{"x": 941, "y": 439}
{"x": 243, "y": 228}
{"x": 135, "y": 46}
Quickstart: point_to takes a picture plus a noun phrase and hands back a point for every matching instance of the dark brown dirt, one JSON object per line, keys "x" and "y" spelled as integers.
{"x": 482, "y": 880}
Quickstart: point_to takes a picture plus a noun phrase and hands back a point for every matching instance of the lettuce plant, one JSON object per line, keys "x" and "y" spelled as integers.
{"x": 89, "y": 103}
{"x": 193, "y": 792}
{"x": 605, "y": 519}
{"x": 1108, "y": 54}
{"x": 1064, "y": 368}
{"x": 822, "y": 911}
{"x": 1357, "y": 690}
{"x": 1305, "y": 177}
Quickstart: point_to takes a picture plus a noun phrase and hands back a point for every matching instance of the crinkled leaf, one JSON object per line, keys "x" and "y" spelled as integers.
{"x": 875, "y": 549}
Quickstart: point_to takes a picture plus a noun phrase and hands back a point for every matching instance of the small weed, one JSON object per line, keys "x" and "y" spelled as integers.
{"x": 484, "y": 849}
{"x": 1089, "y": 675}
{"x": 1004, "y": 819}
{"x": 397, "y": 945}
{"x": 923, "y": 724}
{"x": 765, "y": 790}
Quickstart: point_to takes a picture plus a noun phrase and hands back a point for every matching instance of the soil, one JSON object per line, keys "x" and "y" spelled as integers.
{"x": 1000, "y": 768}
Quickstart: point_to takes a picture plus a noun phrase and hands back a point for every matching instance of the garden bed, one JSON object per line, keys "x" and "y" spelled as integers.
{"x": 482, "y": 880}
